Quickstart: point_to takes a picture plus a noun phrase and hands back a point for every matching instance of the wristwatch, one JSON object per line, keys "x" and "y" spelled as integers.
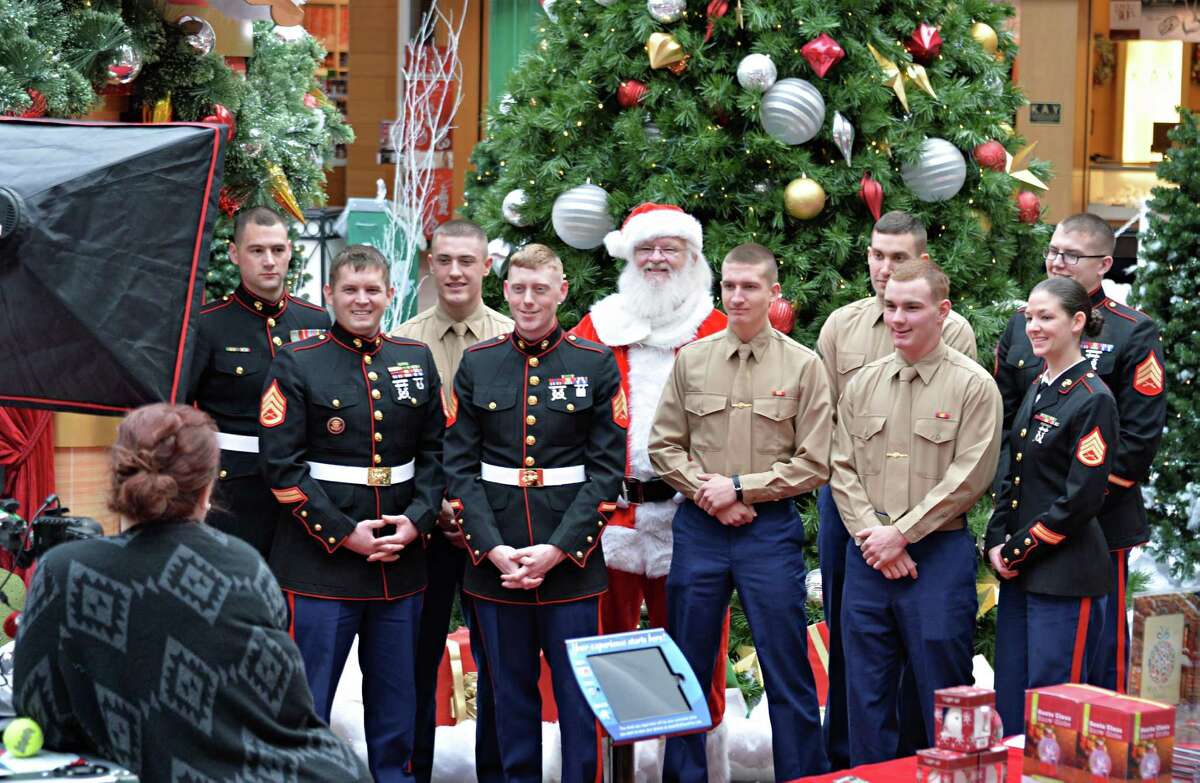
{"x": 737, "y": 487}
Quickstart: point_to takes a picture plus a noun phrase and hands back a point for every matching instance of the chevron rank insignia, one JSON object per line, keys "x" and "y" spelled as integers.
{"x": 449, "y": 407}
{"x": 620, "y": 409}
{"x": 1148, "y": 376}
{"x": 289, "y": 495}
{"x": 273, "y": 409}
{"x": 1092, "y": 449}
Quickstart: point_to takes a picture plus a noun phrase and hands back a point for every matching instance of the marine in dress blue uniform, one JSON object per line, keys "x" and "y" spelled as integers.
{"x": 236, "y": 340}
{"x": 1127, "y": 355}
{"x": 350, "y": 429}
{"x": 535, "y": 454}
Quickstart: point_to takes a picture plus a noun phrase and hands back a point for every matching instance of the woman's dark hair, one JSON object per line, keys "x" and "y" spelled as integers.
{"x": 164, "y": 459}
{"x": 1074, "y": 299}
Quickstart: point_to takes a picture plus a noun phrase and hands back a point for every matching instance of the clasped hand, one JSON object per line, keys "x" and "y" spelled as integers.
{"x": 385, "y": 549}
{"x": 526, "y": 568}
{"x": 885, "y": 549}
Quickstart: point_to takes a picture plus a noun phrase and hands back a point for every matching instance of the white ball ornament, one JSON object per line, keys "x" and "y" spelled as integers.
{"x": 793, "y": 111}
{"x": 666, "y": 11}
{"x": 938, "y": 172}
{"x": 511, "y": 207}
{"x": 580, "y": 216}
{"x": 756, "y": 72}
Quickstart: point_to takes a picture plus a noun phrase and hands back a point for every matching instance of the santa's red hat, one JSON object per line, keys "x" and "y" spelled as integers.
{"x": 651, "y": 221}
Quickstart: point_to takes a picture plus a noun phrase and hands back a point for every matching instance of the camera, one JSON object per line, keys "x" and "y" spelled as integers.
{"x": 51, "y": 525}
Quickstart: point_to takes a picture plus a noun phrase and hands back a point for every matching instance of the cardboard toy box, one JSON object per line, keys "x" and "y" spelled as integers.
{"x": 993, "y": 764}
{"x": 1164, "y": 657}
{"x": 939, "y": 765}
{"x": 965, "y": 719}
{"x": 1082, "y": 734}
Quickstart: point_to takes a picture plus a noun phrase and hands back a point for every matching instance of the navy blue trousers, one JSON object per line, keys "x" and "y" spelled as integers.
{"x": 324, "y": 630}
{"x": 1041, "y": 640}
{"x": 831, "y": 548}
{"x": 445, "y": 563}
{"x": 512, "y": 636}
{"x": 764, "y": 561}
{"x": 1110, "y": 663}
{"x": 926, "y": 624}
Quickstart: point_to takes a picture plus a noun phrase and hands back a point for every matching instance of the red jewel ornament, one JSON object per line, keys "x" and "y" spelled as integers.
{"x": 822, "y": 53}
{"x": 222, "y": 116}
{"x": 871, "y": 193}
{"x": 782, "y": 315}
{"x": 227, "y": 203}
{"x": 925, "y": 44}
{"x": 990, "y": 155}
{"x": 716, "y": 9}
{"x": 631, "y": 93}
{"x": 37, "y": 106}
{"x": 1029, "y": 208}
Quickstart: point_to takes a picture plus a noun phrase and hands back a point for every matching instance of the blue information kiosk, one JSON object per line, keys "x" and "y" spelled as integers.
{"x": 639, "y": 686}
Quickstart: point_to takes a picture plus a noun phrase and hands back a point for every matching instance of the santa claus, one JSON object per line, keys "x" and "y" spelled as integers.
{"x": 663, "y": 301}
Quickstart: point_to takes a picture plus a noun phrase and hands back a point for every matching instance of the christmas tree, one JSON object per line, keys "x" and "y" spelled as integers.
{"x": 872, "y": 105}
{"x": 1166, "y": 290}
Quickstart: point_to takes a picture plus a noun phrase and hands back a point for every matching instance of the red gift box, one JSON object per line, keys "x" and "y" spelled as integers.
{"x": 965, "y": 719}
{"x": 818, "y": 659}
{"x": 993, "y": 765}
{"x": 456, "y": 683}
{"x": 938, "y": 765}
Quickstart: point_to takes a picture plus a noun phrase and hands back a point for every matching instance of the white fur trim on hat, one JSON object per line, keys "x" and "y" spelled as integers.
{"x": 650, "y": 221}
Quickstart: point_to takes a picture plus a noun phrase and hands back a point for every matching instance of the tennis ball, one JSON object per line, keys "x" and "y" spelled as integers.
{"x": 23, "y": 737}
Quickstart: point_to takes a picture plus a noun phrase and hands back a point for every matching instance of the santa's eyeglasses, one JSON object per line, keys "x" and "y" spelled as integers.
{"x": 669, "y": 253}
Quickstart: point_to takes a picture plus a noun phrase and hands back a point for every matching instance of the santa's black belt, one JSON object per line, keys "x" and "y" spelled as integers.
{"x": 650, "y": 491}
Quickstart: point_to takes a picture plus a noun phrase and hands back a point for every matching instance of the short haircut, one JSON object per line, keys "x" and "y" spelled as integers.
{"x": 931, "y": 273}
{"x": 459, "y": 227}
{"x": 536, "y": 256}
{"x": 754, "y": 254}
{"x": 258, "y": 216}
{"x": 358, "y": 258}
{"x": 897, "y": 222}
{"x": 1099, "y": 234}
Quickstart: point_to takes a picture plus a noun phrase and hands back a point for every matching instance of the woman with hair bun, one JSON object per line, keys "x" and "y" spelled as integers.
{"x": 1044, "y": 540}
{"x": 166, "y": 648}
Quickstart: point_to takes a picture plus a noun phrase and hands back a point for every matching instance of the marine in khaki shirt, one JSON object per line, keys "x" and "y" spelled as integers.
{"x": 915, "y": 446}
{"x": 743, "y": 426}
{"x": 458, "y": 262}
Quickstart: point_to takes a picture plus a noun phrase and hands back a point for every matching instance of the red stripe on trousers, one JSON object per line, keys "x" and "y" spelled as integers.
{"x": 1081, "y": 628}
{"x": 1122, "y": 567}
{"x": 291, "y": 602}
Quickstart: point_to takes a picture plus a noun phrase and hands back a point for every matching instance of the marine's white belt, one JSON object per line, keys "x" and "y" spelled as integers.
{"x": 370, "y": 477}
{"x": 247, "y": 444}
{"x": 533, "y": 477}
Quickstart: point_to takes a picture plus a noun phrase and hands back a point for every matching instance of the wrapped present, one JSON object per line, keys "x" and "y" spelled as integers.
{"x": 1164, "y": 657}
{"x": 965, "y": 719}
{"x": 938, "y": 765}
{"x": 457, "y": 683}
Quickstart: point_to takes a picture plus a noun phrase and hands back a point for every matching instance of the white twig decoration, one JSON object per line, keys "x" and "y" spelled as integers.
{"x": 432, "y": 76}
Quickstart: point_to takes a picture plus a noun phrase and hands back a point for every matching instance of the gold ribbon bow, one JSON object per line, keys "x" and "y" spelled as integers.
{"x": 464, "y": 685}
{"x": 987, "y": 591}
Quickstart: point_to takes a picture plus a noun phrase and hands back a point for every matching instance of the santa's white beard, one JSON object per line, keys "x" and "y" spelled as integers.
{"x": 661, "y": 302}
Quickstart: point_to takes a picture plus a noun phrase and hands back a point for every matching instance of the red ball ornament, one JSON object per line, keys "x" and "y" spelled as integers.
{"x": 782, "y": 315}
{"x": 631, "y": 93}
{"x": 222, "y": 116}
{"x": 871, "y": 193}
{"x": 11, "y": 624}
{"x": 716, "y": 9}
{"x": 925, "y": 43}
{"x": 991, "y": 155}
{"x": 227, "y": 203}
{"x": 1029, "y": 208}
{"x": 822, "y": 53}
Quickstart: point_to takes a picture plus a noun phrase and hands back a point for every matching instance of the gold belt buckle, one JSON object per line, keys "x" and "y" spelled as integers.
{"x": 379, "y": 477}
{"x": 530, "y": 477}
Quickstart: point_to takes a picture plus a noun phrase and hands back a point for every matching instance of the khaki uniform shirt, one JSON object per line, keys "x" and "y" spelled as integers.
{"x": 855, "y": 335}
{"x": 922, "y": 466}
{"x": 773, "y": 428}
{"x": 436, "y": 329}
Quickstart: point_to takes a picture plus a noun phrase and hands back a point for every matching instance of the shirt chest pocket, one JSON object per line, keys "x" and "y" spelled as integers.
{"x": 849, "y": 362}
{"x": 570, "y": 416}
{"x": 495, "y": 408}
{"x": 867, "y": 441}
{"x": 241, "y": 365}
{"x": 708, "y": 423}
{"x": 775, "y": 424}
{"x": 337, "y": 418}
{"x": 934, "y": 446}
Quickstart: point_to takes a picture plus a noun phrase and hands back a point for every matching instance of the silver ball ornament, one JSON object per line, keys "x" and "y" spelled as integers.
{"x": 580, "y": 216}
{"x": 653, "y": 133}
{"x": 666, "y": 11}
{"x": 938, "y": 173}
{"x": 793, "y": 111}
{"x": 511, "y": 207}
{"x": 125, "y": 65}
{"x": 756, "y": 72}
{"x": 843, "y": 135}
{"x": 198, "y": 33}
{"x": 605, "y": 3}
{"x": 814, "y": 588}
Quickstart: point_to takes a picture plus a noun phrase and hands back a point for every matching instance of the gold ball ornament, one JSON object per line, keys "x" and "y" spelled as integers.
{"x": 984, "y": 221}
{"x": 804, "y": 198}
{"x": 665, "y": 51}
{"x": 985, "y": 36}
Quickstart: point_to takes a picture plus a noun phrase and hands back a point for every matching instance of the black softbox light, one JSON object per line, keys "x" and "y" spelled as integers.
{"x": 104, "y": 239}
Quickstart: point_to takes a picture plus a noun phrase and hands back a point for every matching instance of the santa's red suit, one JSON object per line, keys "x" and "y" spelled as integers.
{"x": 637, "y": 541}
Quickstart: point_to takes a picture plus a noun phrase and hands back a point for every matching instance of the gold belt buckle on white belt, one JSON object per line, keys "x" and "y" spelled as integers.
{"x": 530, "y": 477}
{"x": 379, "y": 477}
